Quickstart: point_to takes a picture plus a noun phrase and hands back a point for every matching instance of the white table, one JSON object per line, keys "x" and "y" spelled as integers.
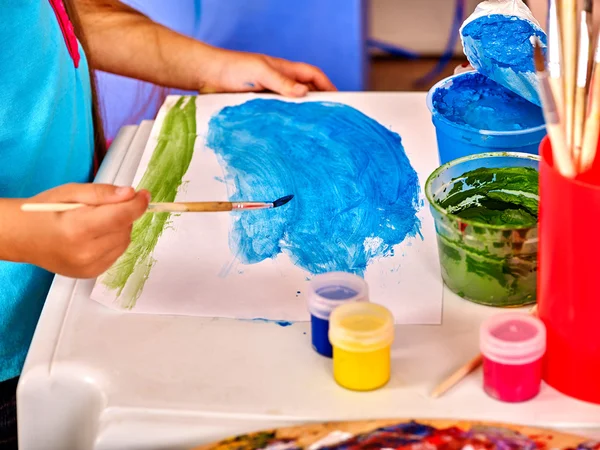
{"x": 96, "y": 378}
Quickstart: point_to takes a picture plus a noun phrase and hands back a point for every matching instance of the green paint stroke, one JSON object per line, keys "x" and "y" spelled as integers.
{"x": 163, "y": 176}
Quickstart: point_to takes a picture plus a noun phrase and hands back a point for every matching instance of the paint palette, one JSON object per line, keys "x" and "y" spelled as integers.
{"x": 401, "y": 434}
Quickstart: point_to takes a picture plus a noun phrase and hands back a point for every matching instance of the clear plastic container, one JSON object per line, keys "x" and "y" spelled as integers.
{"x": 326, "y": 292}
{"x": 494, "y": 265}
{"x": 361, "y": 335}
{"x": 513, "y": 346}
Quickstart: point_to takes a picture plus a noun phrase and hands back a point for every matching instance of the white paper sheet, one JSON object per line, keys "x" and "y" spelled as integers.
{"x": 195, "y": 272}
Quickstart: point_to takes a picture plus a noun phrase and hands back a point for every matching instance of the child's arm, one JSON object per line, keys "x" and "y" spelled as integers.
{"x": 81, "y": 243}
{"x": 124, "y": 41}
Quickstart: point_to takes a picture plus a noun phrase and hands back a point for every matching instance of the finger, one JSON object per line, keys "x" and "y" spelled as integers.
{"x": 88, "y": 193}
{"x": 304, "y": 73}
{"x": 276, "y": 81}
{"x": 105, "y": 219}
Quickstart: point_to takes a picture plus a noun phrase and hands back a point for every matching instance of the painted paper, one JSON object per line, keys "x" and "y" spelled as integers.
{"x": 358, "y": 207}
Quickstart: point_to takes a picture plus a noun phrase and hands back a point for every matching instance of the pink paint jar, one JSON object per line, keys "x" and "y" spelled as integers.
{"x": 512, "y": 346}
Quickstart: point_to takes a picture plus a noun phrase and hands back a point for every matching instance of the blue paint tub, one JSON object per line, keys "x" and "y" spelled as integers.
{"x": 326, "y": 292}
{"x": 473, "y": 114}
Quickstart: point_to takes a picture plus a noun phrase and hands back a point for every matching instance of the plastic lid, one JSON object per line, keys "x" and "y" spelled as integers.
{"x": 361, "y": 327}
{"x": 514, "y": 338}
{"x": 330, "y": 290}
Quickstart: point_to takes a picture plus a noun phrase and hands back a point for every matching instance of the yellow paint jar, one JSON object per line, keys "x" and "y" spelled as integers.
{"x": 361, "y": 335}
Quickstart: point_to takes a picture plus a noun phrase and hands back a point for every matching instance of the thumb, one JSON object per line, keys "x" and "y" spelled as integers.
{"x": 277, "y": 82}
{"x": 88, "y": 194}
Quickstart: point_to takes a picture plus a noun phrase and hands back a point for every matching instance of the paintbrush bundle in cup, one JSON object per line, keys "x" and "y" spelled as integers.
{"x": 571, "y": 88}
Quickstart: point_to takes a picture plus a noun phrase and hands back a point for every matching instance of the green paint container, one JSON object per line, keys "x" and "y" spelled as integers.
{"x": 485, "y": 212}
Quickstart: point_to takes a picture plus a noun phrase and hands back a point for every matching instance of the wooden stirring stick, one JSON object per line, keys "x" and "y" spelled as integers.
{"x": 463, "y": 371}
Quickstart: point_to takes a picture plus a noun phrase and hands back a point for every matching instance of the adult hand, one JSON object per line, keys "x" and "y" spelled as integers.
{"x": 230, "y": 71}
{"x": 85, "y": 242}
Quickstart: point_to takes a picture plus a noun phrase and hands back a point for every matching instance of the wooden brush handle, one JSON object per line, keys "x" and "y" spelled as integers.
{"x": 190, "y": 207}
{"x": 50, "y": 207}
{"x": 152, "y": 207}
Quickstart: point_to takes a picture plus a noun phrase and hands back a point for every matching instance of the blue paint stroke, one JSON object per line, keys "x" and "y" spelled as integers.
{"x": 501, "y": 48}
{"x": 356, "y": 194}
{"x": 281, "y": 323}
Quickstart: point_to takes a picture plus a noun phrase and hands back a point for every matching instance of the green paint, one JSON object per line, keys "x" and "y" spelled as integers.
{"x": 503, "y": 197}
{"x": 162, "y": 178}
{"x": 487, "y": 238}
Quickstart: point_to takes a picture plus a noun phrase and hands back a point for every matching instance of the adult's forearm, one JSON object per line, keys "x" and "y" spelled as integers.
{"x": 123, "y": 41}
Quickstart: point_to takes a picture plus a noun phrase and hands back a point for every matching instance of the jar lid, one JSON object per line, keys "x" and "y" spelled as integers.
{"x": 327, "y": 291}
{"x": 514, "y": 338}
{"x": 361, "y": 327}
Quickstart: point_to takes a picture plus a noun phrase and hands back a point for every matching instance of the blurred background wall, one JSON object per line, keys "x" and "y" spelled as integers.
{"x": 361, "y": 44}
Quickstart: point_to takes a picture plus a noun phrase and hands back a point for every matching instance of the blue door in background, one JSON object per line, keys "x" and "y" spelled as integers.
{"x": 330, "y": 34}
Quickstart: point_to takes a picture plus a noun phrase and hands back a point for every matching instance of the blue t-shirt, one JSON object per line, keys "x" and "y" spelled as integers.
{"x": 46, "y": 139}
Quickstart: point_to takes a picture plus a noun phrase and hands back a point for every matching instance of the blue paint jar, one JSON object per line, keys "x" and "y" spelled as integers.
{"x": 473, "y": 114}
{"x": 326, "y": 292}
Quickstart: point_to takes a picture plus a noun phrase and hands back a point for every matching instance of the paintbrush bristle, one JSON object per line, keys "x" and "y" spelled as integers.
{"x": 538, "y": 57}
{"x": 282, "y": 201}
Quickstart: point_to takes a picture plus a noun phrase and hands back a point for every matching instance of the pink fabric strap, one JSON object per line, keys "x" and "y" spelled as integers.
{"x": 67, "y": 30}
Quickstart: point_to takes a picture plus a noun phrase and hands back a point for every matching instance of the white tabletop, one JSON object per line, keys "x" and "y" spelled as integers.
{"x": 100, "y": 379}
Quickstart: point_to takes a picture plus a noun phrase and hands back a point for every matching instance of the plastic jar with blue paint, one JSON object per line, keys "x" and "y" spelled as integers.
{"x": 326, "y": 292}
{"x": 473, "y": 114}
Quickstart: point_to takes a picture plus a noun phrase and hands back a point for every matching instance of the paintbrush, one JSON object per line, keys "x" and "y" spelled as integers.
{"x": 581, "y": 89}
{"x": 562, "y": 157}
{"x": 592, "y": 123}
{"x": 554, "y": 56}
{"x": 568, "y": 14}
{"x": 169, "y": 207}
{"x": 465, "y": 370}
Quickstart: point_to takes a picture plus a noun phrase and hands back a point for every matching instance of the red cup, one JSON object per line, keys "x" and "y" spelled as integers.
{"x": 569, "y": 278}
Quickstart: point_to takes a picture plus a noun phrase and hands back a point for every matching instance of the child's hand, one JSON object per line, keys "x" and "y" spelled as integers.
{"x": 85, "y": 242}
{"x": 230, "y": 71}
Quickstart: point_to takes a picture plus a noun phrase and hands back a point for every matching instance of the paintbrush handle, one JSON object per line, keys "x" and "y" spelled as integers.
{"x": 579, "y": 121}
{"x": 556, "y": 86}
{"x": 190, "y": 207}
{"x": 569, "y": 34}
{"x": 560, "y": 151}
{"x": 592, "y": 125}
{"x": 152, "y": 207}
{"x": 457, "y": 376}
{"x": 50, "y": 207}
